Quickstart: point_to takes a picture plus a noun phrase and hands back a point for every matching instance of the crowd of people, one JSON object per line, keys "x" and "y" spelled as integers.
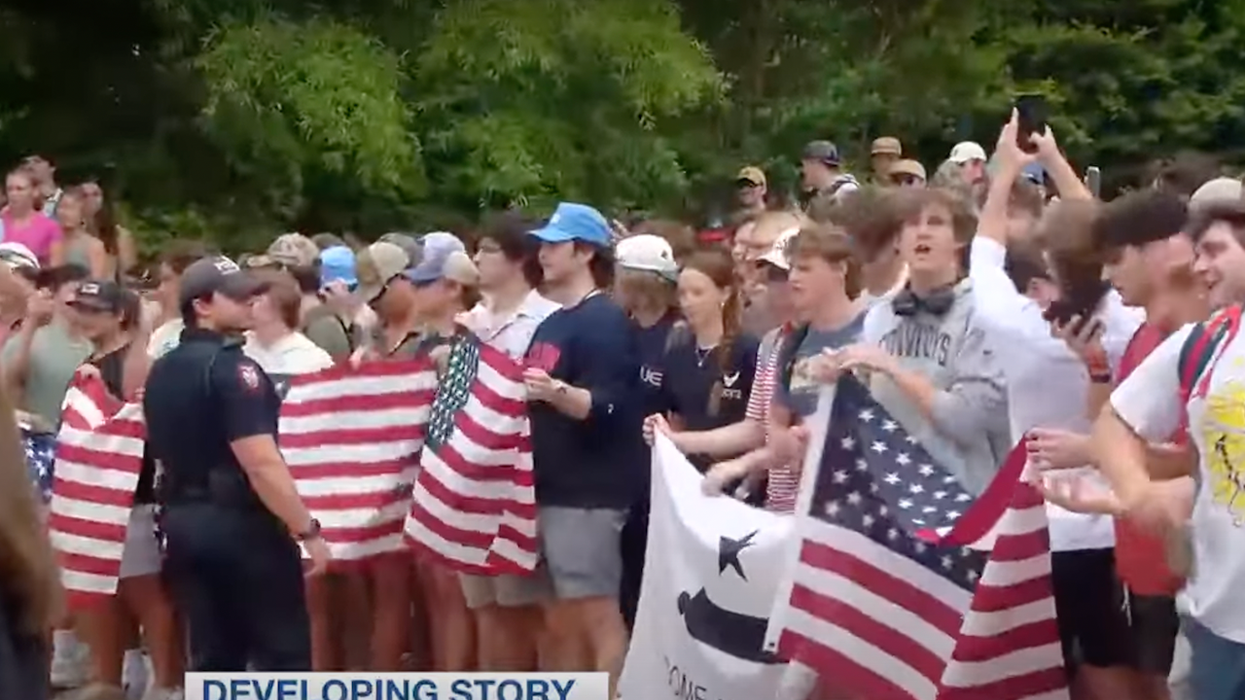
{"x": 998, "y": 302}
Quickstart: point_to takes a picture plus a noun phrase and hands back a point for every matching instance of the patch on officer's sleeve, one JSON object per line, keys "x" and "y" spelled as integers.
{"x": 249, "y": 374}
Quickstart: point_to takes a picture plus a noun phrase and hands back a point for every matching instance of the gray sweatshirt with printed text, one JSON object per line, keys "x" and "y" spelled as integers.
{"x": 970, "y": 409}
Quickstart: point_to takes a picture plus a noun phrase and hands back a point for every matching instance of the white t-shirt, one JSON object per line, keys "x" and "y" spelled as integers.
{"x": 165, "y": 338}
{"x": 511, "y": 333}
{"x": 1149, "y": 402}
{"x": 291, "y": 355}
{"x": 1047, "y": 385}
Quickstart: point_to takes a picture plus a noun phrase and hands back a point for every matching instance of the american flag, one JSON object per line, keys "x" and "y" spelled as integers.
{"x": 99, "y": 455}
{"x": 352, "y": 437}
{"x": 906, "y": 587}
{"x": 474, "y": 507}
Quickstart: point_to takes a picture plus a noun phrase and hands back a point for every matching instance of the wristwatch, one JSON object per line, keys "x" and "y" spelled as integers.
{"x": 312, "y": 532}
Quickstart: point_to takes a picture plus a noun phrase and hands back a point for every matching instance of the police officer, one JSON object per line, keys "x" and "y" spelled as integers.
{"x": 231, "y": 518}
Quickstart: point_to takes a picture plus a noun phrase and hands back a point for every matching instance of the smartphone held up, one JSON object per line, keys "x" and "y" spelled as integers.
{"x": 1031, "y": 114}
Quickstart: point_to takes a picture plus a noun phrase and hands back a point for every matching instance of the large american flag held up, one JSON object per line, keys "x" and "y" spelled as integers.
{"x": 474, "y": 507}
{"x": 908, "y": 588}
{"x": 99, "y": 455}
{"x": 352, "y": 437}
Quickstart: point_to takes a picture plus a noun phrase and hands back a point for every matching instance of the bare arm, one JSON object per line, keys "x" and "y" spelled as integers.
{"x": 1121, "y": 456}
{"x": 127, "y": 251}
{"x": 271, "y": 479}
{"x": 97, "y": 259}
{"x": 56, "y": 252}
{"x": 733, "y": 439}
{"x": 1096, "y": 398}
{"x": 572, "y": 401}
{"x": 1067, "y": 181}
{"x": 17, "y": 361}
{"x": 1167, "y": 462}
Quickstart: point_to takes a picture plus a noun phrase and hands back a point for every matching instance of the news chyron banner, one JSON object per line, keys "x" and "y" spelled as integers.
{"x": 397, "y": 686}
{"x": 711, "y": 573}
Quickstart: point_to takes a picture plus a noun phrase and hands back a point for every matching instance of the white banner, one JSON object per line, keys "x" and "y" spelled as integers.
{"x": 710, "y": 577}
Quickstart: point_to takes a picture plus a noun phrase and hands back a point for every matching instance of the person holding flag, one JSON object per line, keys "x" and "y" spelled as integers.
{"x": 110, "y": 317}
{"x": 585, "y": 405}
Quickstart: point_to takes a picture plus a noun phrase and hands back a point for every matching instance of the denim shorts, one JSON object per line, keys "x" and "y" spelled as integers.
{"x": 1217, "y": 666}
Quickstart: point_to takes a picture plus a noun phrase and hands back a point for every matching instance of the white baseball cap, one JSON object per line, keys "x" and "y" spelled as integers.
{"x": 777, "y": 253}
{"x": 966, "y": 151}
{"x": 18, "y": 255}
{"x": 1218, "y": 190}
{"x": 648, "y": 253}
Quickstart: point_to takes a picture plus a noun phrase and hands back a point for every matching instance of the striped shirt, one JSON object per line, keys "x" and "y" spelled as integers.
{"x": 784, "y": 482}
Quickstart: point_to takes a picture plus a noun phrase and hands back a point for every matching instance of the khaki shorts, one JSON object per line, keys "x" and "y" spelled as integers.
{"x": 507, "y": 590}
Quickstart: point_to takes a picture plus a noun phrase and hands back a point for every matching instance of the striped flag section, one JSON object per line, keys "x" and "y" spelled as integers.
{"x": 474, "y": 507}
{"x": 99, "y": 455}
{"x": 352, "y": 438}
{"x": 908, "y": 588}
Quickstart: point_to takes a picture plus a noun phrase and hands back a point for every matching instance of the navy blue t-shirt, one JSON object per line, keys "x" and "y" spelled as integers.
{"x": 596, "y": 462}
{"x": 651, "y": 343}
{"x": 690, "y": 375}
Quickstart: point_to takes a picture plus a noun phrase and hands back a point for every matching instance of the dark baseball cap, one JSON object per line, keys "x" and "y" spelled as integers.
{"x": 822, "y": 152}
{"x": 100, "y": 295}
{"x": 218, "y": 275}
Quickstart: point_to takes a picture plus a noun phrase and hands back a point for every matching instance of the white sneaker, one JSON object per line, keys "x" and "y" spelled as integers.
{"x": 70, "y": 661}
{"x": 136, "y": 674}
{"x": 164, "y": 694}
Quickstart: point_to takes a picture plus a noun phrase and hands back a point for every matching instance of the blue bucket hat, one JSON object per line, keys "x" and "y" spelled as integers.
{"x": 576, "y": 222}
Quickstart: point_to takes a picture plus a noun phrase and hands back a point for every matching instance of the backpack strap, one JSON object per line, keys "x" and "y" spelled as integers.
{"x": 1200, "y": 347}
{"x": 786, "y": 360}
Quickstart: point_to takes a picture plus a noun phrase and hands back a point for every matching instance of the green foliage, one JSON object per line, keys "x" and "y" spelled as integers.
{"x": 285, "y": 98}
{"x": 531, "y": 101}
{"x": 237, "y": 119}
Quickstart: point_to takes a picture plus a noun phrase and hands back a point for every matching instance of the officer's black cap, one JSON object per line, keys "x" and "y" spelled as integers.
{"x": 218, "y": 275}
{"x": 100, "y": 295}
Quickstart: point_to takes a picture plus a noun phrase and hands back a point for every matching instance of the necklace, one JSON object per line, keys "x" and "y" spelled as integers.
{"x": 702, "y": 355}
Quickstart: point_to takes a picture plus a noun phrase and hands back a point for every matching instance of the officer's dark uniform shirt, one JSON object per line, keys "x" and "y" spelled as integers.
{"x": 200, "y": 397}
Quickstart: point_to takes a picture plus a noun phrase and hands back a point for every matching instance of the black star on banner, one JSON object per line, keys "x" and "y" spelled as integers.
{"x": 728, "y": 552}
{"x": 455, "y": 388}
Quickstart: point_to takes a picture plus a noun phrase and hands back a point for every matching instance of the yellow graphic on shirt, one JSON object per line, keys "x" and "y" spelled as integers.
{"x": 1223, "y": 429}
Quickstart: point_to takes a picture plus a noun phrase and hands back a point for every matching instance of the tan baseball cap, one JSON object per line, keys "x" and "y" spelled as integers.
{"x": 752, "y": 175}
{"x": 886, "y": 146}
{"x": 377, "y": 266}
{"x": 907, "y": 166}
{"x": 293, "y": 250}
